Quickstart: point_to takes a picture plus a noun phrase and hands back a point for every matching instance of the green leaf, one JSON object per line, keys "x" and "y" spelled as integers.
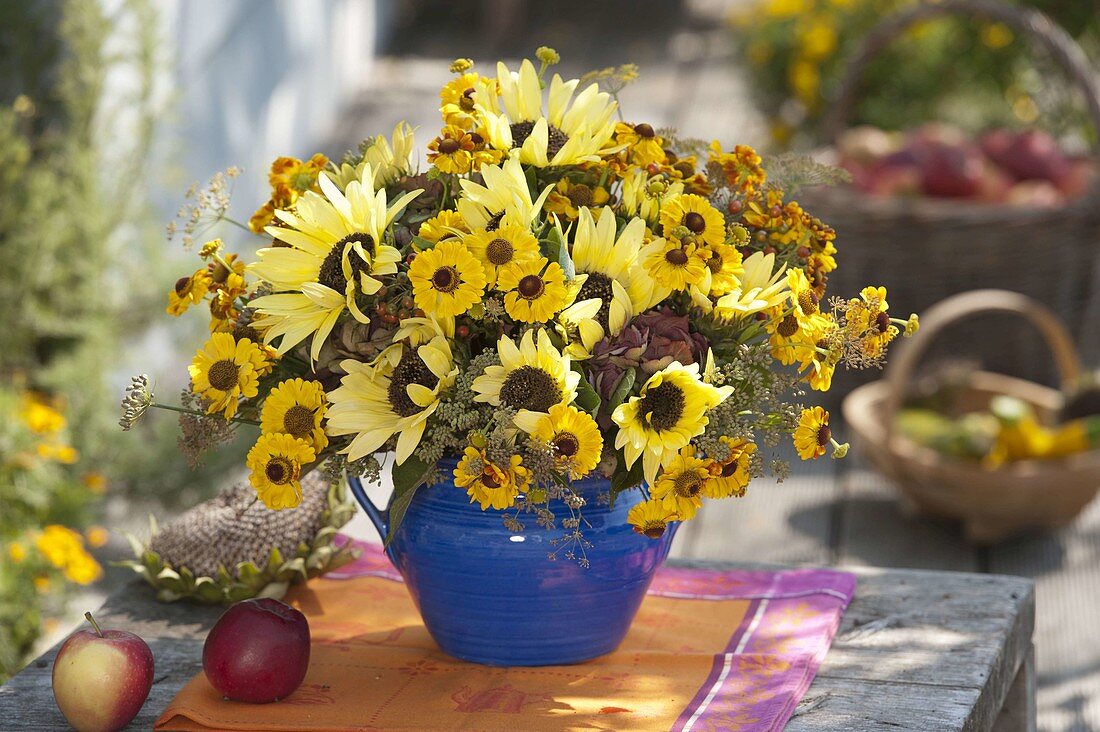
{"x": 622, "y": 389}
{"x": 407, "y": 478}
{"x": 587, "y": 398}
{"x": 422, "y": 244}
{"x": 623, "y": 481}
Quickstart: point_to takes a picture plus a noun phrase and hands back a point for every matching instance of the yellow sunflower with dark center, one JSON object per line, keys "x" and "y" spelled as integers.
{"x": 694, "y": 213}
{"x": 275, "y": 462}
{"x": 724, "y": 270}
{"x": 812, "y": 435}
{"x": 731, "y": 476}
{"x": 683, "y": 483}
{"x": 447, "y": 279}
{"x": 651, "y": 518}
{"x": 491, "y": 485}
{"x": 444, "y": 225}
{"x": 531, "y": 377}
{"x": 296, "y": 407}
{"x": 189, "y": 291}
{"x": 567, "y": 198}
{"x": 674, "y": 265}
{"x": 224, "y": 370}
{"x": 671, "y": 409}
{"x": 572, "y": 435}
{"x": 508, "y": 244}
{"x": 534, "y": 290}
{"x": 457, "y": 99}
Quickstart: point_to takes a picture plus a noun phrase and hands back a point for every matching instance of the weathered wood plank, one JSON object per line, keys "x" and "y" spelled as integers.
{"x": 1067, "y": 577}
{"x": 963, "y": 627}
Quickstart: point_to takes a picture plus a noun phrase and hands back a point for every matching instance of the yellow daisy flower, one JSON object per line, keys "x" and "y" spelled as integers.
{"x": 671, "y": 409}
{"x": 452, "y": 151}
{"x": 534, "y": 291}
{"x": 724, "y": 269}
{"x": 613, "y": 265}
{"x": 443, "y": 225}
{"x": 731, "y": 476}
{"x": 682, "y": 483}
{"x": 189, "y": 291}
{"x": 296, "y": 407}
{"x": 457, "y": 97}
{"x": 508, "y": 244}
{"x": 571, "y": 130}
{"x": 224, "y": 370}
{"x": 531, "y": 377}
{"x": 650, "y": 518}
{"x": 447, "y": 280}
{"x": 335, "y": 253}
{"x": 276, "y": 463}
{"x": 695, "y": 214}
{"x": 567, "y": 198}
{"x": 644, "y": 145}
{"x": 812, "y": 434}
{"x": 489, "y": 484}
{"x": 397, "y": 395}
{"x": 673, "y": 264}
{"x": 572, "y": 434}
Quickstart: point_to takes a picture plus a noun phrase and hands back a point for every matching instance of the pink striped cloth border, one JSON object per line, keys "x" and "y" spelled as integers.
{"x": 773, "y": 652}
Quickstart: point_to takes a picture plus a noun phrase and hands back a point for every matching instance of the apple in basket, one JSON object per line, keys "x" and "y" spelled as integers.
{"x": 257, "y": 652}
{"x": 101, "y": 678}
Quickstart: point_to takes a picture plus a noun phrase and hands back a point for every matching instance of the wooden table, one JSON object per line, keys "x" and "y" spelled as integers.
{"x": 917, "y": 651}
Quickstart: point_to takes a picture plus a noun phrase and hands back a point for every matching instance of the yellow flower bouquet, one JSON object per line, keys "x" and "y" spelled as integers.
{"x": 561, "y": 294}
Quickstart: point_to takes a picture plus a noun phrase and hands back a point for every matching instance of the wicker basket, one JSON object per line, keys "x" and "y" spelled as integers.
{"x": 993, "y": 504}
{"x": 927, "y": 249}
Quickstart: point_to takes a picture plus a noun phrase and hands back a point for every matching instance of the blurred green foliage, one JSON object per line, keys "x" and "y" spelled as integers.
{"x": 963, "y": 70}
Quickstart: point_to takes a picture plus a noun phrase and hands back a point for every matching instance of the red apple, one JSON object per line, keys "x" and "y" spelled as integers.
{"x": 257, "y": 652}
{"x": 101, "y": 678}
{"x": 950, "y": 170}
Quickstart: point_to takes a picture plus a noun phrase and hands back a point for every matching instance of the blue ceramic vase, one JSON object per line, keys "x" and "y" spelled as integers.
{"x": 490, "y": 596}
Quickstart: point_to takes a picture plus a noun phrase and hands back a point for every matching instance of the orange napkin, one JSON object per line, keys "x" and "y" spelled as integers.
{"x": 374, "y": 667}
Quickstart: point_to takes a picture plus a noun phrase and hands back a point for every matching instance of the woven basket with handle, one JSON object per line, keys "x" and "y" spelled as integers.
{"x": 926, "y": 249}
{"x": 992, "y": 503}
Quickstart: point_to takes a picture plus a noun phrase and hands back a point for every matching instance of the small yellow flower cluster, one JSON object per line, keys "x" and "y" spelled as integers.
{"x": 289, "y": 179}
{"x": 64, "y": 549}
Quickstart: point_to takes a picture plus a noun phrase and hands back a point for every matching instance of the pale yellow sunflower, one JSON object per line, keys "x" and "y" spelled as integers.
{"x": 491, "y": 485}
{"x": 508, "y": 244}
{"x": 531, "y": 377}
{"x": 671, "y": 409}
{"x": 505, "y": 193}
{"x": 534, "y": 290}
{"x": 275, "y": 462}
{"x": 761, "y": 287}
{"x": 385, "y": 161}
{"x": 447, "y": 279}
{"x": 335, "y": 253}
{"x": 296, "y": 407}
{"x": 572, "y": 434}
{"x": 396, "y": 395}
{"x": 224, "y": 370}
{"x": 612, "y": 263}
{"x": 571, "y": 130}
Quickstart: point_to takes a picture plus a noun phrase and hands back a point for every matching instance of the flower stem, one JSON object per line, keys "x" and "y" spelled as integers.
{"x": 184, "y": 410}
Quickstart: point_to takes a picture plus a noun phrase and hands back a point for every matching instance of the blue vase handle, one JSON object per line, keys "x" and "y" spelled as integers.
{"x": 380, "y": 517}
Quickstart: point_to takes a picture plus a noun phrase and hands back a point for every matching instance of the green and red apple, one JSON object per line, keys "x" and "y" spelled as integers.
{"x": 101, "y": 678}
